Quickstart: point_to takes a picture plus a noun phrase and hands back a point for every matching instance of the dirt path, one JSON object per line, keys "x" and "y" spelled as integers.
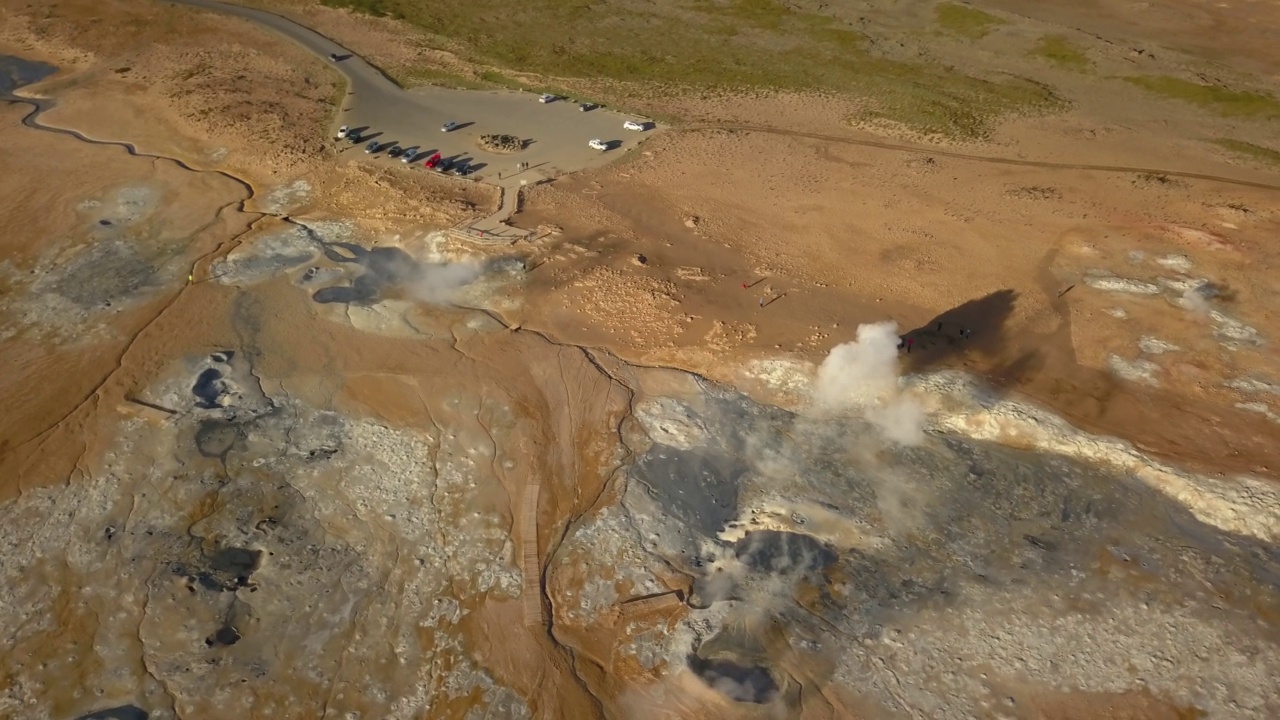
{"x": 991, "y": 159}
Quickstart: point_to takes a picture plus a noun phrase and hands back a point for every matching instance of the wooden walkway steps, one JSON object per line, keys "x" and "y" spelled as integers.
{"x": 530, "y": 563}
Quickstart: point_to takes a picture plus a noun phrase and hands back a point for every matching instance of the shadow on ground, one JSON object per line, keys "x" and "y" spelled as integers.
{"x": 976, "y": 327}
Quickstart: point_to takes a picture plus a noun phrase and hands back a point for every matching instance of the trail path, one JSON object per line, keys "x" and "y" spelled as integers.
{"x": 992, "y": 159}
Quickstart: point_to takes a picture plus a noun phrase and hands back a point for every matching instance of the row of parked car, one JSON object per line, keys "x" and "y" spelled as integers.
{"x": 597, "y": 143}
{"x": 408, "y": 155}
{"x": 589, "y": 106}
{"x": 462, "y": 168}
{"x": 601, "y": 145}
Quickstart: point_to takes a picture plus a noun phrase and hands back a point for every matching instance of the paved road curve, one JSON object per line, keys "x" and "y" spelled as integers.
{"x": 364, "y": 78}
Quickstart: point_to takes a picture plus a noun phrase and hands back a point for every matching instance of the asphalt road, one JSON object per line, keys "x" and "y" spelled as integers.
{"x": 557, "y": 133}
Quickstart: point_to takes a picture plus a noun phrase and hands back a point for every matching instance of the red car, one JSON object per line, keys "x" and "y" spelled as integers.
{"x": 433, "y": 161}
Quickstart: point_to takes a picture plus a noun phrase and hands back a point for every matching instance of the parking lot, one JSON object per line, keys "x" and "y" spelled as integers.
{"x": 556, "y": 133}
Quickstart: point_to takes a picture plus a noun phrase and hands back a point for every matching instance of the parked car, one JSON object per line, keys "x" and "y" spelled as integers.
{"x": 461, "y": 169}
{"x": 598, "y": 144}
{"x": 633, "y": 125}
{"x": 409, "y": 154}
{"x": 343, "y": 131}
{"x": 433, "y": 161}
{"x": 372, "y": 147}
{"x": 548, "y": 98}
{"x": 449, "y": 126}
{"x": 444, "y": 165}
{"x": 353, "y": 138}
{"x": 586, "y": 107}
{"x": 395, "y": 151}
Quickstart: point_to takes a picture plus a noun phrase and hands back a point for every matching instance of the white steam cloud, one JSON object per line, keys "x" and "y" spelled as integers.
{"x": 1194, "y": 299}
{"x": 764, "y": 592}
{"x": 863, "y": 376}
{"x": 732, "y": 689}
{"x": 439, "y": 283}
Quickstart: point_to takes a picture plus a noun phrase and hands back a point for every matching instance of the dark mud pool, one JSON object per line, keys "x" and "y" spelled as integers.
{"x": 15, "y": 72}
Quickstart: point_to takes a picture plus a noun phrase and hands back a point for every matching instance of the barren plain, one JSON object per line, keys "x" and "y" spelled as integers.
{"x": 922, "y": 366}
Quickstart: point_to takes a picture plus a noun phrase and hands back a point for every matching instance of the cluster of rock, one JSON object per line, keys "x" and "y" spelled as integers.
{"x": 501, "y": 143}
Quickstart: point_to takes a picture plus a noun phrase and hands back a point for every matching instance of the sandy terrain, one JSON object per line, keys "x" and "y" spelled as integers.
{"x": 1021, "y": 229}
{"x": 273, "y": 444}
{"x": 828, "y": 249}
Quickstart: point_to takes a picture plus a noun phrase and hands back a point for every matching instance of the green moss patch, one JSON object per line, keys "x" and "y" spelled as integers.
{"x": 1215, "y": 98}
{"x": 967, "y": 21}
{"x": 1060, "y": 51}
{"x": 1256, "y": 152}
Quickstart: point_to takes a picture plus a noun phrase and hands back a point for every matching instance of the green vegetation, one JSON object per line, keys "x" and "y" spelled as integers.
{"x": 1223, "y": 101}
{"x": 957, "y": 107}
{"x": 369, "y": 7}
{"x": 1062, "y": 52}
{"x": 767, "y": 14}
{"x": 1257, "y": 152}
{"x": 497, "y": 79}
{"x": 424, "y": 75}
{"x": 967, "y": 21}
{"x": 711, "y": 44}
{"x": 339, "y": 95}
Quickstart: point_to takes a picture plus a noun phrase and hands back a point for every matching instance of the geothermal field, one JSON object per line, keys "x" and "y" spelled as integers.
{"x": 881, "y": 360}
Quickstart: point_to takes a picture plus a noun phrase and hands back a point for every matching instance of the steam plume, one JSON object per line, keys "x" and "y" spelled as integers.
{"x": 439, "y": 283}
{"x": 863, "y": 376}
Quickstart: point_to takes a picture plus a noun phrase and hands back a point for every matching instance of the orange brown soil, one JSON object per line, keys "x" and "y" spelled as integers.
{"x": 839, "y": 234}
{"x": 646, "y": 260}
{"x": 54, "y": 375}
{"x": 855, "y": 233}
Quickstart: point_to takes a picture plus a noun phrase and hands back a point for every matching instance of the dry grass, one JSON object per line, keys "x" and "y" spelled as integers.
{"x": 966, "y": 21}
{"x": 711, "y": 44}
{"x": 1256, "y": 152}
{"x": 1060, "y": 51}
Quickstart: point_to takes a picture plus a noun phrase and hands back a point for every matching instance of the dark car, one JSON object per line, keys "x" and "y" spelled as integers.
{"x": 372, "y": 147}
{"x": 395, "y": 151}
{"x": 444, "y": 165}
{"x": 461, "y": 169}
{"x": 354, "y": 137}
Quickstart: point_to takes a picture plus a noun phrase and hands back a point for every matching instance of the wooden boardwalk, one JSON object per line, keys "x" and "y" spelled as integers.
{"x": 503, "y": 235}
{"x": 530, "y": 564}
{"x": 661, "y": 601}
